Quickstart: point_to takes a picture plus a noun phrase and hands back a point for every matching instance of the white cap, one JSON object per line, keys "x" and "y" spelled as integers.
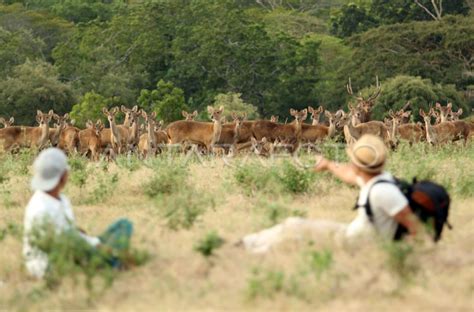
{"x": 48, "y": 167}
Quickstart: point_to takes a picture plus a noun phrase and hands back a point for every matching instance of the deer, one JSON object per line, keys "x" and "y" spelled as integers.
{"x": 410, "y": 132}
{"x": 354, "y": 132}
{"x": 263, "y": 147}
{"x": 314, "y": 133}
{"x": 56, "y": 131}
{"x": 19, "y": 136}
{"x": 196, "y": 132}
{"x": 89, "y": 139}
{"x": 365, "y": 105}
{"x": 315, "y": 114}
{"x": 455, "y": 116}
{"x": 230, "y": 134}
{"x": 440, "y": 133}
{"x": 113, "y": 135}
{"x": 444, "y": 111}
{"x": 131, "y": 125}
{"x": 147, "y": 145}
{"x": 189, "y": 116}
{"x": 7, "y": 123}
{"x": 274, "y": 118}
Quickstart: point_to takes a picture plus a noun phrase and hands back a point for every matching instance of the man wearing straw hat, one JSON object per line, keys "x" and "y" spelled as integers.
{"x": 389, "y": 206}
{"x": 50, "y": 211}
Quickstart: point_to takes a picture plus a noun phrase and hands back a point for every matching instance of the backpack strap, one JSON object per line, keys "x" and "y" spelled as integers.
{"x": 367, "y": 206}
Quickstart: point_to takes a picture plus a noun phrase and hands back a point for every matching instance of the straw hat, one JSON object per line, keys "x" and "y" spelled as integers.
{"x": 368, "y": 153}
{"x": 49, "y": 167}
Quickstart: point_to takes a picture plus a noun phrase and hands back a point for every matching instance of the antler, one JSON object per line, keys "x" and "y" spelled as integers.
{"x": 349, "y": 87}
{"x": 377, "y": 91}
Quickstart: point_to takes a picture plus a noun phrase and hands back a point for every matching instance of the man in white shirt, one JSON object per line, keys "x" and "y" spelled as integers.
{"x": 389, "y": 206}
{"x": 50, "y": 210}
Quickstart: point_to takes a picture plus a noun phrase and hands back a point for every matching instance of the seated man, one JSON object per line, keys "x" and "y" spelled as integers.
{"x": 50, "y": 211}
{"x": 388, "y": 204}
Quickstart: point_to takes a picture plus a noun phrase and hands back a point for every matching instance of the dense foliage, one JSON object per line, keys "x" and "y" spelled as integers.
{"x": 166, "y": 55}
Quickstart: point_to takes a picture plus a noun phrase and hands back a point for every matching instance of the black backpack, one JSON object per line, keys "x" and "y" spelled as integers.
{"x": 428, "y": 200}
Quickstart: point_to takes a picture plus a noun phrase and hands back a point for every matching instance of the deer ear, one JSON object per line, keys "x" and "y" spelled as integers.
{"x": 144, "y": 114}
{"x": 195, "y": 113}
{"x": 38, "y": 112}
{"x": 320, "y": 109}
{"x": 221, "y": 108}
{"x": 123, "y": 109}
{"x": 254, "y": 140}
{"x": 210, "y": 109}
{"x": 89, "y": 124}
{"x": 310, "y": 109}
{"x": 234, "y": 116}
{"x": 304, "y": 111}
{"x": 12, "y": 119}
{"x": 459, "y": 112}
{"x": 66, "y": 116}
{"x": 51, "y": 112}
{"x": 245, "y": 116}
{"x": 185, "y": 114}
{"x": 135, "y": 108}
{"x": 438, "y": 106}
{"x": 264, "y": 140}
{"x": 104, "y": 110}
{"x": 153, "y": 115}
{"x": 327, "y": 114}
{"x": 450, "y": 105}
{"x": 421, "y": 112}
{"x": 292, "y": 112}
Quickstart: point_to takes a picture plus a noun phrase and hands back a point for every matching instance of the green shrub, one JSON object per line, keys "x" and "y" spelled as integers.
{"x": 265, "y": 283}
{"x": 168, "y": 179}
{"x": 208, "y": 244}
{"x": 295, "y": 180}
{"x": 79, "y": 173}
{"x": 130, "y": 163}
{"x": 254, "y": 177}
{"x": 181, "y": 210}
{"x": 320, "y": 262}
{"x": 401, "y": 259}
{"x": 103, "y": 188}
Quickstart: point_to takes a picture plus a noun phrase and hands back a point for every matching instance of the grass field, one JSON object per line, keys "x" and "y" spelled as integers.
{"x": 182, "y": 206}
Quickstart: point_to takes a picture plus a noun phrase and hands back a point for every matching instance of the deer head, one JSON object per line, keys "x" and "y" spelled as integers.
{"x": 444, "y": 111}
{"x": 189, "y": 116}
{"x": 274, "y": 118}
{"x": 365, "y": 105}
{"x": 110, "y": 114}
{"x": 299, "y": 116}
{"x": 44, "y": 119}
{"x": 455, "y": 116}
{"x": 215, "y": 114}
{"x": 315, "y": 113}
{"x": 7, "y": 123}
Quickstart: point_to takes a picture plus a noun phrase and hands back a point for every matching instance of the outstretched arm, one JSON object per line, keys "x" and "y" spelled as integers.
{"x": 344, "y": 172}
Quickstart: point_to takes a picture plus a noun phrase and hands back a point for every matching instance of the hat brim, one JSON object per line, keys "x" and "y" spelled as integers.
{"x": 39, "y": 184}
{"x": 370, "y": 169}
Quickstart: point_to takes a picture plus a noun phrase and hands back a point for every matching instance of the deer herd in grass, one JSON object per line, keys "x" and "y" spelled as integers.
{"x": 262, "y": 137}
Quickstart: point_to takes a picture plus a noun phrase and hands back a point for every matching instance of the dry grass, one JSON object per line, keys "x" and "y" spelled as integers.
{"x": 294, "y": 277}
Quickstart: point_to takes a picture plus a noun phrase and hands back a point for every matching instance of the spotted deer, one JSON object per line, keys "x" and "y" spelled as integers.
{"x": 19, "y": 136}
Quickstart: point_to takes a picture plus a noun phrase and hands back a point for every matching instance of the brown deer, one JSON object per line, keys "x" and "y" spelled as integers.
{"x": 274, "y": 118}
{"x": 55, "y": 133}
{"x": 131, "y": 125}
{"x": 147, "y": 145}
{"x": 444, "y": 111}
{"x": 365, "y": 105}
{"x": 437, "y": 134}
{"x": 230, "y": 134}
{"x": 196, "y": 132}
{"x": 354, "y": 131}
{"x": 89, "y": 140}
{"x": 316, "y": 133}
{"x": 315, "y": 114}
{"x": 262, "y": 147}
{"x": 189, "y": 116}
{"x": 18, "y": 136}
{"x": 410, "y": 132}
{"x": 7, "y": 123}
{"x": 129, "y": 113}
{"x": 455, "y": 116}
{"x": 113, "y": 135}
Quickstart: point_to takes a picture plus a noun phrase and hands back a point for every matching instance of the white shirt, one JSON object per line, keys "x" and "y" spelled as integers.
{"x": 43, "y": 208}
{"x": 386, "y": 201}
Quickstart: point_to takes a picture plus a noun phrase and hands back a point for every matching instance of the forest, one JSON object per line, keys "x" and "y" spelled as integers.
{"x": 77, "y": 56}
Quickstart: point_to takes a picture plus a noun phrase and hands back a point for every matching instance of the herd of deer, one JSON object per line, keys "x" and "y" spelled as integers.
{"x": 262, "y": 137}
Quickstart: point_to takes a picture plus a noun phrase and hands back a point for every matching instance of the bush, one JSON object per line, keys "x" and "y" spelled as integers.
{"x": 295, "y": 180}
{"x": 265, "y": 284}
{"x": 253, "y": 177}
{"x": 320, "y": 262}
{"x": 401, "y": 260}
{"x": 208, "y": 244}
{"x": 168, "y": 179}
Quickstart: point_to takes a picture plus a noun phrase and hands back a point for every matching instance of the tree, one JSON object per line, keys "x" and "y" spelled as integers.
{"x": 441, "y": 51}
{"x": 90, "y": 108}
{"x": 34, "y": 85}
{"x": 16, "y": 47}
{"x": 166, "y": 100}
{"x": 421, "y": 93}
{"x": 233, "y": 103}
{"x": 352, "y": 19}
